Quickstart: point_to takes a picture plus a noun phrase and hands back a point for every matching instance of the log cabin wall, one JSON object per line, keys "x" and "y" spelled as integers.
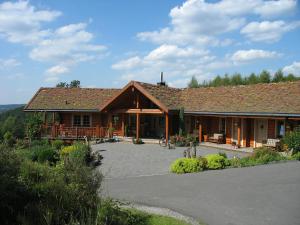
{"x": 228, "y": 130}
{"x": 271, "y": 129}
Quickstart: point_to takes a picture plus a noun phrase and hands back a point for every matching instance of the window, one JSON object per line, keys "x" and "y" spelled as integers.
{"x": 81, "y": 121}
{"x": 280, "y": 129}
{"x": 222, "y": 125}
{"x": 77, "y": 120}
{"x": 86, "y": 121}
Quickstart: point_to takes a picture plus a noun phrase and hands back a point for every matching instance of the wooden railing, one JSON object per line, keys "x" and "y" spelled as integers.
{"x": 60, "y": 131}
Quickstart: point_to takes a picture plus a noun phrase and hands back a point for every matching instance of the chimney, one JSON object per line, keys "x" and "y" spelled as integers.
{"x": 161, "y": 83}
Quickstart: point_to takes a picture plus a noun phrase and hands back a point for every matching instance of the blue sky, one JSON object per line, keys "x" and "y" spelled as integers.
{"x": 107, "y": 43}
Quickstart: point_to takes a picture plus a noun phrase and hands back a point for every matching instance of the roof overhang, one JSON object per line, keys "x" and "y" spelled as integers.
{"x": 254, "y": 114}
{"x": 61, "y": 110}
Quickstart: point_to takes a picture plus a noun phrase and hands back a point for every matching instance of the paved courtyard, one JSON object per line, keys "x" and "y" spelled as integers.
{"x": 260, "y": 195}
{"x": 127, "y": 160}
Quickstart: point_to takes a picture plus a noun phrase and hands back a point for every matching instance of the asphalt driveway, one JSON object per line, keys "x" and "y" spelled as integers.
{"x": 128, "y": 160}
{"x": 261, "y": 195}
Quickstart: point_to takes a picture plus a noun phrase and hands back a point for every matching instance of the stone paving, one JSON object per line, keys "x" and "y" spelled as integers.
{"x": 125, "y": 159}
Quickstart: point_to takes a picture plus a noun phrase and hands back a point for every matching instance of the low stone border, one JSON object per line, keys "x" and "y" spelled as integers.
{"x": 161, "y": 212}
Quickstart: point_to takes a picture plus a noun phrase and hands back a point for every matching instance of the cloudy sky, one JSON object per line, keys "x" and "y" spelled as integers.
{"x": 107, "y": 43}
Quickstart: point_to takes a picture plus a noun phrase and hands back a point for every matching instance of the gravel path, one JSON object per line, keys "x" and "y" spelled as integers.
{"x": 128, "y": 160}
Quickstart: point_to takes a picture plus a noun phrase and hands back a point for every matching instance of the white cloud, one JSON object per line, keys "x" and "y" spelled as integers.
{"x": 268, "y": 31}
{"x": 127, "y": 63}
{"x": 59, "y": 69}
{"x": 199, "y": 21}
{"x": 21, "y": 22}
{"x": 276, "y": 8}
{"x": 294, "y": 68}
{"x": 253, "y": 54}
{"x": 8, "y": 63}
{"x": 52, "y": 79}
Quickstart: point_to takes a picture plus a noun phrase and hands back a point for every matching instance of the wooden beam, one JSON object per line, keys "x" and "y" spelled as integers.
{"x": 239, "y": 134}
{"x": 167, "y": 127}
{"x": 200, "y": 132}
{"x": 123, "y": 124}
{"x": 140, "y": 111}
{"x": 138, "y": 126}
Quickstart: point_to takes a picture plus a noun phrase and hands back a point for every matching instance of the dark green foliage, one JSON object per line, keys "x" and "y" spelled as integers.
{"x": 292, "y": 140}
{"x": 33, "y": 126}
{"x": 12, "y": 121}
{"x": 296, "y": 156}
{"x": 278, "y": 77}
{"x": 42, "y": 153}
{"x": 111, "y": 213}
{"x": 73, "y": 84}
{"x": 188, "y": 165}
{"x": 57, "y": 144}
{"x": 8, "y": 139}
{"x": 13, "y": 193}
{"x": 264, "y": 77}
{"x": 193, "y": 83}
{"x": 238, "y": 79}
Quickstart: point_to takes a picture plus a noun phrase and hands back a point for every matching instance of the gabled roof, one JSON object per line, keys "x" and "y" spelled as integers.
{"x": 259, "y": 98}
{"x": 274, "y": 98}
{"x": 63, "y": 99}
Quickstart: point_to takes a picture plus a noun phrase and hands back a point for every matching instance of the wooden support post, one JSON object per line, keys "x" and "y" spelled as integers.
{"x": 138, "y": 126}
{"x": 167, "y": 127}
{"x": 97, "y": 131}
{"x": 239, "y": 134}
{"x": 53, "y": 118}
{"x": 200, "y": 132}
{"x": 123, "y": 124}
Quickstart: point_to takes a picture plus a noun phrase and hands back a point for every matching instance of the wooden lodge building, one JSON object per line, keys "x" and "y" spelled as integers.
{"x": 245, "y": 115}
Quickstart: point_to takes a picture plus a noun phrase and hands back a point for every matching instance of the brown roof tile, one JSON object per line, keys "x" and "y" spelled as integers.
{"x": 258, "y": 98}
{"x": 169, "y": 96}
{"x": 70, "y": 98}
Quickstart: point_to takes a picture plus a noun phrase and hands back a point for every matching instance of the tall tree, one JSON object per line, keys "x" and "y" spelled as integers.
{"x": 74, "y": 84}
{"x": 193, "y": 83}
{"x": 62, "y": 84}
{"x": 264, "y": 77}
{"x": 252, "y": 79}
{"x": 278, "y": 76}
{"x": 236, "y": 79}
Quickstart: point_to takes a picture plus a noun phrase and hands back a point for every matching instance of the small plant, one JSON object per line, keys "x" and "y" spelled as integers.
{"x": 137, "y": 141}
{"x": 296, "y": 156}
{"x": 43, "y": 154}
{"x": 292, "y": 140}
{"x": 215, "y": 161}
{"x": 57, "y": 144}
{"x": 188, "y": 165}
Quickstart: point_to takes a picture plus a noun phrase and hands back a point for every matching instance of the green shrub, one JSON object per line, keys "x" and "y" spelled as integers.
{"x": 215, "y": 161}
{"x": 265, "y": 155}
{"x": 8, "y": 139}
{"x": 13, "y": 193}
{"x": 234, "y": 162}
{"x": 57, "y": 144}
{"x": 111, "y": 213}
{"x": 248, "y": 161}
{"x": 37, "y": 142}
{"x": 43, "y": 153}
{"x": 188, "y": 165}
{"x": 61, "y": 193}
{"x": 137, "y": 141}
{"x": 292, "y": 140}
{"x": 296, "y": 156}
